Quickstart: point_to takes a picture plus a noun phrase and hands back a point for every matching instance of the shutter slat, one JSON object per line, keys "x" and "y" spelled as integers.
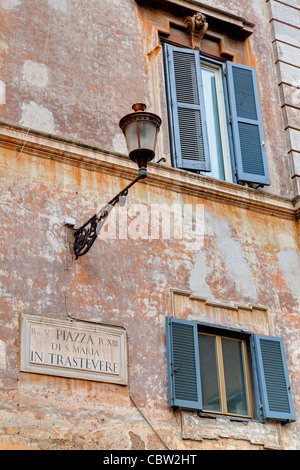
{"x": 251, "y": 149}
{"x": 244, "y": 93}
{"x": 246, "y": 124}
{"x": 183, "y": 364}
{"x": 186, "y": 109}
{"x": 273, "y": 378}
{"x": 185, "y": 374}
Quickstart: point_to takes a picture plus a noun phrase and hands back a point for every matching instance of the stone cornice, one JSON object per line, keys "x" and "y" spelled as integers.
{"x": 234, "y": 24}
{"x": 162, "y": 176}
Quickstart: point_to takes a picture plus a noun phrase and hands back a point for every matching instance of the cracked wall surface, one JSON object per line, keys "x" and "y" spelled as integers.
{"x": 70, "y": 71}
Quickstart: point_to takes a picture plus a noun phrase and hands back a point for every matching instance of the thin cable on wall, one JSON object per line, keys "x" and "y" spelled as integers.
{"x": 137, "y": 407}
{"x": 101, "y": 323}
{"x": 39, "y": 100}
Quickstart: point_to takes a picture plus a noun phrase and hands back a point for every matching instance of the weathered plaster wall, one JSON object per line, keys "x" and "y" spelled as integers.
{"x": 69, "y": 68}
{"x": 247, "y": 259}
{"x": 77, "y": 82}
{"x": 88, "y": 79}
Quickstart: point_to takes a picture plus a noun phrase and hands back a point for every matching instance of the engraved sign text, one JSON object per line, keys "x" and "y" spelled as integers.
{"x": 73, "y": 349}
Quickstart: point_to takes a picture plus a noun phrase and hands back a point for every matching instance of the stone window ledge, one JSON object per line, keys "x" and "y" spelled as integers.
{"x": 198, "y": 428}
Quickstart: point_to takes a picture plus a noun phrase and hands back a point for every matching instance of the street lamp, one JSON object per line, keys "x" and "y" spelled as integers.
{"x": 140, "y": 130}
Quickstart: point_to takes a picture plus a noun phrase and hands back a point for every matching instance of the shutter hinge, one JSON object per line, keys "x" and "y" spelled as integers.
{"x": 263, "y": 144}
{"x": 261, "y": 410}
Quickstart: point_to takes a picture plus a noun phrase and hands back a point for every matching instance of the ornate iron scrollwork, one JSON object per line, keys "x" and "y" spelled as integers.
{"x": 85, "y": 236}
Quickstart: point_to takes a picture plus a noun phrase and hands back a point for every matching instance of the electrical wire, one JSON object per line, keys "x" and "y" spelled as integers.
{"x": 138, "y": 408}
{"x": 106, "y": 324}
{"x": 66, "y": 260}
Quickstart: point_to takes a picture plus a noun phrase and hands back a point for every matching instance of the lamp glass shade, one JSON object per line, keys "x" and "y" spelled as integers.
{"x": 141, "y": 134}
{"x": 140, "y": 129}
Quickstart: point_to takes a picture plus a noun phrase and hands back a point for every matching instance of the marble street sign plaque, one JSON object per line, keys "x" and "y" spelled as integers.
{"x": 74, "y": 349}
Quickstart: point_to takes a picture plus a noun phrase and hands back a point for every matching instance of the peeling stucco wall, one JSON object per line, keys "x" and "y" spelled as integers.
{"x": 245, "y": 274}
{"x": 52, "y": 412}
{"x": 70, "y": 72}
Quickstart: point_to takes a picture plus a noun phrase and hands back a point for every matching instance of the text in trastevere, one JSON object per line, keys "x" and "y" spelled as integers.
{"x": 74, "y": 349}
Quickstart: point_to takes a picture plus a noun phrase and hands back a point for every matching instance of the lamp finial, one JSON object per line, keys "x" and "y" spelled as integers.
{"x": 138, "y": 107}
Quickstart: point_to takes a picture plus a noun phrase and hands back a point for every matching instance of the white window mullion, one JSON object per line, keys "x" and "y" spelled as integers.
{"x": 223, "y": 126}
{"x": 220, "y": 159}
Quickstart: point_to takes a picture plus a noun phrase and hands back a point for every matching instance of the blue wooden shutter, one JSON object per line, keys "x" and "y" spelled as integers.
{"x": 273, "y": 378}
{"x": 183, "y": 364}
{"x": 246, "y": 123}
{"x": 189, "y": 138}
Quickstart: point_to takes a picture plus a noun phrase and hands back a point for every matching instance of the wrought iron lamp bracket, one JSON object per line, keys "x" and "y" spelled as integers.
{"x": 85, "y": 236}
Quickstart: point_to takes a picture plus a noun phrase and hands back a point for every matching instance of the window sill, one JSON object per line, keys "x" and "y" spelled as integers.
{"x": 255, "y": 432}
{"x": 238, "y": 419}
{"x": 221, "y": 191}
{"x": 159, "y": 175}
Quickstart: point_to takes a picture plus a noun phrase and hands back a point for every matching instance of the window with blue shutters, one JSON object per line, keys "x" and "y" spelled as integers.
{"x": 187, "y": 109}
{"x": 215, "y": 118}
{"x": 276, "y": 394}
{"x": 246, "y": 124}
{"x": 183, "y": 364}
{"x": 228, "y": 372}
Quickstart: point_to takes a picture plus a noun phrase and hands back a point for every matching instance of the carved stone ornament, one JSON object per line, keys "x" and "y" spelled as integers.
{"x": 196, "y": 27}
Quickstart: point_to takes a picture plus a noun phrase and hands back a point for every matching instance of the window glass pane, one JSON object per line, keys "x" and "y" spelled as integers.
{"x": 213, "y": 123}
{"x": 209, "y": 373}
{"x": 234, "y": 372}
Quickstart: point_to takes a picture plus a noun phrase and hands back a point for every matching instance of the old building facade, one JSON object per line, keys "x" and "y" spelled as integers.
{"x": 179, "y": 329}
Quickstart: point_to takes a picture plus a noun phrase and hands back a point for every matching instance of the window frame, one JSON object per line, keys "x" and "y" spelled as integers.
{"x": 223, "y": 114}
{"x": 184, "y": 374}
{"x": 245, "y": 135}
{"x": 222, "y": 378}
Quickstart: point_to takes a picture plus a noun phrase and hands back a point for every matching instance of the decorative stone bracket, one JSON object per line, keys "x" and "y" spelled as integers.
{"x": 162, "y": 13}
{"x": 196, "y": 27}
